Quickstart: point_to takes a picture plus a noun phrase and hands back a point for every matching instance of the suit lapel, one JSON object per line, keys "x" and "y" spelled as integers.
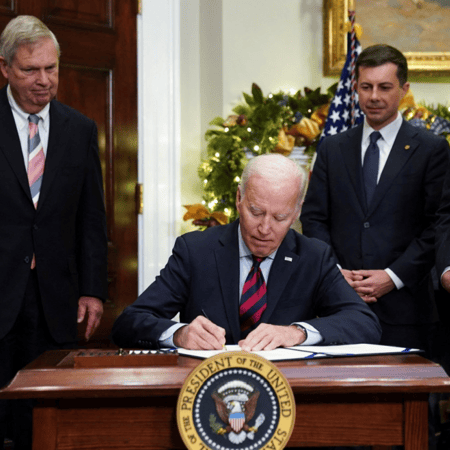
{"x": 350, "y": 148}
{"x": 404, "y": 147}
{"x": 10, "y": 143}
{"x": 57, "y": 145}
{"x": 280, "y": 273}
{"x": 227, "y": 260}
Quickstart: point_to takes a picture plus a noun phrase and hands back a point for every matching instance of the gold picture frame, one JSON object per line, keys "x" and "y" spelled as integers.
{"x": 335, "y": 18}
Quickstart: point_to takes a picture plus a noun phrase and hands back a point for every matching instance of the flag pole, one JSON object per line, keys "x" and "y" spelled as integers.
{"x": 344, "y": 111}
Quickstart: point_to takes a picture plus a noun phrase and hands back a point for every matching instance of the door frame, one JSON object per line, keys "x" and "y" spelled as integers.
{"x": 158, "y": 28}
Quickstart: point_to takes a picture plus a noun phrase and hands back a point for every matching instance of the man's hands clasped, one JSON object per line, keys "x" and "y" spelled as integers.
{"x": 370, "y": 285}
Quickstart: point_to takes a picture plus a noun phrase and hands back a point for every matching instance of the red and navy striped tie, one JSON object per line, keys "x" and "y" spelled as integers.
{"x": 254, "y": 297}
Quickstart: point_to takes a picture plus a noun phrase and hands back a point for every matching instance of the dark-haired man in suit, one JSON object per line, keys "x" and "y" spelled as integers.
{"x": 373, "y": 197}
{"x": 52, "y": 220}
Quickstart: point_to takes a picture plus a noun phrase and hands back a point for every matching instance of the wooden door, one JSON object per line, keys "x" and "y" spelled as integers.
{"x": 98, "y": 77}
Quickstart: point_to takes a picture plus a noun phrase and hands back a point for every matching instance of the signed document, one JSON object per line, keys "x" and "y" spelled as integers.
{"x": 308, "y": 352}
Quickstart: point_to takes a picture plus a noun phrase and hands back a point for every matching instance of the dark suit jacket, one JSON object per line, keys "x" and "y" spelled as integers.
{"x": 397, "y": 230}
{"x": 443, "y": 230}
{"x": 202, "y": 278}
{"x": 67, "y": 232}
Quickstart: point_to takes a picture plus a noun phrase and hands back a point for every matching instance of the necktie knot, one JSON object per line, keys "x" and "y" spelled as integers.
{"x": 34, "y": 118}
{"x": 374, "y": 136}
{"x": 257, "y": 260}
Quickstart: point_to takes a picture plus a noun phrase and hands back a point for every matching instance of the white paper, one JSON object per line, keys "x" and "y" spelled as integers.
{"x": 306, "y": 352}
{"x": 357, "y": 349}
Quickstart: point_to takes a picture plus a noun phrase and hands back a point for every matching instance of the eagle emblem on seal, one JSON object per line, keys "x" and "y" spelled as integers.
{"x": 236, "y": 403}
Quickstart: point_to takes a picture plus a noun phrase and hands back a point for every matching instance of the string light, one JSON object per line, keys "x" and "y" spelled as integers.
{"x": 226, "y": 156}
{"x": 212, "y": 203}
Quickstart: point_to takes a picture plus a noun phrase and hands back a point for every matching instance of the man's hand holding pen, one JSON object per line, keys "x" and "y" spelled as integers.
{"x": 200, "y": 334}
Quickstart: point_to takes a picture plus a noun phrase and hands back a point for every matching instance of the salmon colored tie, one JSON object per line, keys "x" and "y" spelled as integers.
{"x": 36, "y": 163}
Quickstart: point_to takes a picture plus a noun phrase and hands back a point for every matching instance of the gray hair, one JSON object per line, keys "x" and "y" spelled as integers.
{"x": 23, "y": 30}
{"x": 275, "y": 166}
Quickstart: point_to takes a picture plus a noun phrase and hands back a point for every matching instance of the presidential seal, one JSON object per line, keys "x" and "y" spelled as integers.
{"x": 236, "y": 400}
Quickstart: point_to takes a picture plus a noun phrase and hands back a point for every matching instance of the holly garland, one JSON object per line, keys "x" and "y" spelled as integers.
{"x": 259, "y": 125}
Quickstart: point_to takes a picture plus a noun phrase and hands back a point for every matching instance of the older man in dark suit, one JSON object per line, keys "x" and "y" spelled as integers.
{"x": 373, "y": 197}
{"x": 255, "y": 282}
{"x": 52, "y": 220}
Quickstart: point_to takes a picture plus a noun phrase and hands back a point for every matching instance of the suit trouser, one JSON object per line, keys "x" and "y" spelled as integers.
{"x": 28, "y": 338}
{"x": 443, "y": 348}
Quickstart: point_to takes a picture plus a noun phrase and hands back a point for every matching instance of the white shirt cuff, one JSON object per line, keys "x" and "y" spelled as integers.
{"x": 445, "y": 270}
{"x": 313, "y": 336}
{"x": 166, "y": 338}
{"x": 398, "y": 283}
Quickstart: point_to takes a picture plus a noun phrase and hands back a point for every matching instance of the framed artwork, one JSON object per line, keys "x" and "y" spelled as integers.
{"x": 418, "y": 28}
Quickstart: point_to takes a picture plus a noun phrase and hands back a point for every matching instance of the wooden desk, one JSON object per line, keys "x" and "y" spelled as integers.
{"x": 372, "y": 400}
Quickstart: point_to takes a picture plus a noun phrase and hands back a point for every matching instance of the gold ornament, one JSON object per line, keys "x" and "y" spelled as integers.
{"x": 196, "y": 211}
{"x": 231, "y": 121}
{"x": 203, "y": 217}
{"x": 358, "y": 29}
{"x": 309, "y": 129}
{"x": 285, "y": 143}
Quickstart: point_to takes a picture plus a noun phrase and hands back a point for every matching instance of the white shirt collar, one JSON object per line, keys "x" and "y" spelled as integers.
{"x": 22, "y": 117}
{"x": 388, "y": 133}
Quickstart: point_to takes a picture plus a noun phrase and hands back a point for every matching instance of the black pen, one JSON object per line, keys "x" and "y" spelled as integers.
{"x": 206, "y": 316}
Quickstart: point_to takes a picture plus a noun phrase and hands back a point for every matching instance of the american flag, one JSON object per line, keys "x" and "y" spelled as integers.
{"x": 344, "y": 111}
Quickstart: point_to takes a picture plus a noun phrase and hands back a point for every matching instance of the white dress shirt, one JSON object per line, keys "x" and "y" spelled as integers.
{"x": 21, "y": 120}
